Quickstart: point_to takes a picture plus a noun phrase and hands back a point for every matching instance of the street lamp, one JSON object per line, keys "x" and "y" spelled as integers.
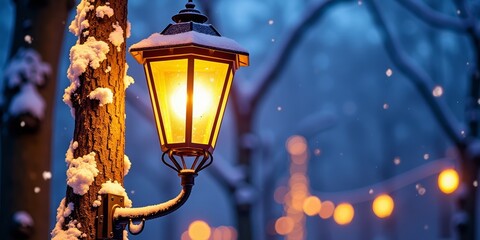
{"x": 189, "y": 69}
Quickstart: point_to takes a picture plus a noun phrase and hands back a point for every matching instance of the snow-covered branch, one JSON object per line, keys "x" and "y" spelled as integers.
{"x": 26, "y": 71}
{"x": 419, "y": 78}
{"x": 435, "y": 18}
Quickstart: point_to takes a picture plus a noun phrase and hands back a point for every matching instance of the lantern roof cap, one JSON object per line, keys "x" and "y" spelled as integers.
{"x": 158, "y": 40}
{"x": 189, "y": 29}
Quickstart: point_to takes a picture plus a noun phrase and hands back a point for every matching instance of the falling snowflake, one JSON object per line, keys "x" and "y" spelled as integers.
{"x": 370, "y": 191}
{"x": 28, "y": 39}
{"x": 273, "y": 40}
{"x": 279, "y": 108}
{"x": 385, "y": 106}
{"x": 475, "y": 183}
{"x": 46, "y": 175}
{"x": 458, "y": 12}
{"x": 420, "y": 189}
{"x": 36, "y": 190}
{"x": 426, "y": 156}
{"x": 389, "y": 72}
{"x": 360, "y": 2}
{"x": 270, "y": 22}
{"x": 396, "y": 160}
{"x": 22, "y": 124}
{"x": 437, "y": 91}
{"x": 317, "y": 152}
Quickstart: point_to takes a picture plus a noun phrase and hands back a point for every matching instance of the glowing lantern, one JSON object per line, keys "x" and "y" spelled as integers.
{"x": 448, "y": 181}
{"x": 189, "y": 68}
{"x": 383, "y": 206}
{"x": 343, "y": 214}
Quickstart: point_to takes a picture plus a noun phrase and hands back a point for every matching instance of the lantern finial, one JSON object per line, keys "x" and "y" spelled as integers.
{"x": 190, "y": 14}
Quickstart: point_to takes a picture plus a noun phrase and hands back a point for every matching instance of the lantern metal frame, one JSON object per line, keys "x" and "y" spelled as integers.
{"x": 202, "y": 41}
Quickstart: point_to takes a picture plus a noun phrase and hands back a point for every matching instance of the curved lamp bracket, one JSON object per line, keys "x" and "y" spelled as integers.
{"x": 113, "y": 217}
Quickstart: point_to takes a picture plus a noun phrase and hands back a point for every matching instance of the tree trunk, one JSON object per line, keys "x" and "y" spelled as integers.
{"x": 25, "y": 155}
{"x": 244, "y": 210}
{"x": 100, "y": 129}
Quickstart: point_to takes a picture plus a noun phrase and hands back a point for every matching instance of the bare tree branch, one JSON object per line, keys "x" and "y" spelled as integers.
{"x": 419, "y": 78}
{"x": 274, "y": 67}
{"x": 435, "y": 18}
{"x": 390, "y": 185}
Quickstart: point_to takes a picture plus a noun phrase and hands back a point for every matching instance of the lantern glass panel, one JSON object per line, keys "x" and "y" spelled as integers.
{"x": 170, "y": 90}
{"x": 209, "y": 84}
{"x": 222, "y": 108}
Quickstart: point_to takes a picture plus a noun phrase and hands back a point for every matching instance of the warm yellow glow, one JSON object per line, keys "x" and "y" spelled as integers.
{"x": 210, "y": 80}
{"x": 312, "y": 205}
{"x": 166, "y": 78}
{"x": 199, "y": 230}
{"x": 327, "y": 209}
{"x": 448, "y": 181}
{"x": 296, "y": 145}
{"x": 343, "y": 214}
{"x": 383, "y": 206}
{"x": 202, "y": 99}
{"x": 284, "y": 225}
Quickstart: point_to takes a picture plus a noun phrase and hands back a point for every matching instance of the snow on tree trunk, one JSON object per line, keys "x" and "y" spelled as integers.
{"x": 99, "y": 127}
{"x": 25, "y": 150}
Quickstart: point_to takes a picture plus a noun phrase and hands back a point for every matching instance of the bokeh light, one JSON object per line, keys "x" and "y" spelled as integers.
{"x": 343, "y": 213}
{"x": 296, "y": 145}
{"x": 284, "y": 225}
{"x": 312, "y": 205}
{"x": 326, "y": 211}
{"x": 199, "y": 230}
{"x": 448, "y": 181}
{"x": 383, "y": 206}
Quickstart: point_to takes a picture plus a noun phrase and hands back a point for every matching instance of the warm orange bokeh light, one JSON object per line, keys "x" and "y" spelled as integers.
{"x": 199, "y": 230}
{"x": 448, "y": 181}
{"x": 284, "y": 225}
{"x": 327, "y": 209}
{"x": 296, "y": 145}
{"x": 343, "y": 213}
{"x": 224, "y": 233}
{"x": 312, "y": 205}
{"x": 383, "y": 206}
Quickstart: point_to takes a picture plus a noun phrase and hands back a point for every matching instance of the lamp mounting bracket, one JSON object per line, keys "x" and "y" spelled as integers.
{"x": 106, "y": 227}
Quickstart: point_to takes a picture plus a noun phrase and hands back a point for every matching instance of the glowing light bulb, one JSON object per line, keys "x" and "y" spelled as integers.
{"x": 448, "y": 181}
{"x": 383, "y": 206}
{"x": 202, "y": 101}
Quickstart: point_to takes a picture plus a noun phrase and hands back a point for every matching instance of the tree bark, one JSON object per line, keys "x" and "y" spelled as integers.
{"x": 25, "y": 155}
{"x": 100, "y": 129}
